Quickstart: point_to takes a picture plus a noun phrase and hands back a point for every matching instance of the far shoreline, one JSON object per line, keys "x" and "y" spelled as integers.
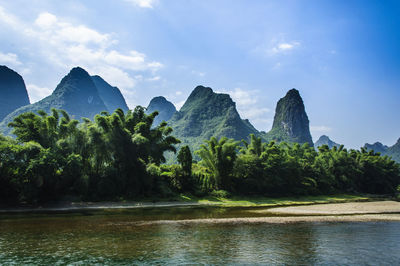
{"x": 185, "y": 201}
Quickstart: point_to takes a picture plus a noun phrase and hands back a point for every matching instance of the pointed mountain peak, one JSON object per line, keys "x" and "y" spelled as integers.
{"x": 159, "y": 100}
{"x": 200, "y": 92}
{"x": 5, "y": 69}
{"x": 291, "y": 122}
{"x": 206, "y": 113}
{"x": 202, "y": 89}
{"x": 204, "y": 95}
{"x": 324, "y": 137}
{"x": 13, "y": 93}
{"x": 325, "y": 140}
{"x": 78, "y": 71}
{"x": 78, "y": 94}
{"x": 76, "y": 80}
{"x": 293, "y": 93}
{"x": 165, "y": 109}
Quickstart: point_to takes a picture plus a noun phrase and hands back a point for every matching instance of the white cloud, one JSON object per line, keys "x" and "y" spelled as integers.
{"x": 248, "y": 106}
{"x": 320, "y": 129}
{"x": 37, "y": 93}
{"x": 255, "y": 113}
{"x": 198, "y": 73}
{"x": 46, "y": 20}
{"x": 8, "y": 18}
{"x": 9, "y": 58}
{"x": 142, "y": 3}
{"x": 179, "y": 105}
{"x": 156, "y": 78}
{"x": 283, "y": 47}
{"x": 241, "y": 97}
{"x": 115, "y": 76}
{"x": 64, "y": 45}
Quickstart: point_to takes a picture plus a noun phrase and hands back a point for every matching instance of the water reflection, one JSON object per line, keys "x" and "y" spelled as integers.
{"x": 115, "y": 237}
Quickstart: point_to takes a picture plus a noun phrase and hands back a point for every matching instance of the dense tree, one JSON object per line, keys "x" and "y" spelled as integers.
{"x": 185, "y": 159}
{"x": 219, "y": 158}
{"x": 121, "y": 155}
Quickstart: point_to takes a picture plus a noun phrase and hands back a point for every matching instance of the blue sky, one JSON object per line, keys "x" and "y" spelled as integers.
{"x": 343, "y": 56}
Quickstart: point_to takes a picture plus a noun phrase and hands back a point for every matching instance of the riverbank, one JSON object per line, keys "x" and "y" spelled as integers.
{"x": 377, "y": 211}
{"x": 188, "y": 201}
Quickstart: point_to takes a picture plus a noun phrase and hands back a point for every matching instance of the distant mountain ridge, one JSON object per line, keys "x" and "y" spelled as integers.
{"x": 325, "y": 140}
{"x": 13, "y": 93}
{"x": 77, "y": 94}
{"x": 392, "y": 151}
{"x": 377, "y": 147}
{"x": 206, "y": 114}
{"x": 291, "y": 122}
{"x": 165, "y": 109}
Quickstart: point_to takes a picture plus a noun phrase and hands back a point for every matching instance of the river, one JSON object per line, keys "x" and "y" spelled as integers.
{"x": 158, "y": 236}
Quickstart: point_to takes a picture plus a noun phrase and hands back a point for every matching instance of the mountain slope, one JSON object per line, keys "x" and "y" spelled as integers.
{"x": 111, "y": 96}
{"x": 165, "y": 109}
{"x": 325, "y": 140}
{"x": 394, "y": 151}
{"x": 206, "y": 114}
{"x": 377, "y": 147}
{"x": 75, "y": 94}
{"x": 13, "y": 93}
{"x": 291, "y": 122}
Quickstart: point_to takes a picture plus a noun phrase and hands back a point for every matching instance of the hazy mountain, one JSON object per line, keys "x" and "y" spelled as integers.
{"x": 291, "y": 122}
{"x": 394, "y": 151}
{"x": 377, "y": 147}
{"x": 206, "y": 114}
{"x": 76, "y": 94}
{"x": 13, "y": 92}
{"x": 111, "y": 96}
{"x": 325, "y": 140}
{"x": 164, "y": 107}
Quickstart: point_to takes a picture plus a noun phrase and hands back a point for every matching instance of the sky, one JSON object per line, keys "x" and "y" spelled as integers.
{"x": 342, "y": 55}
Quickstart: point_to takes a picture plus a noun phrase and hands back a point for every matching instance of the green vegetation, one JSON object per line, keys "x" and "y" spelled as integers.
{"x": 258, "y": 201}
{"x": 78, "y": 95}
{"x": 206, "y": 114}
{"x": 121, "y": 156}
{"x": 291, "y": 122}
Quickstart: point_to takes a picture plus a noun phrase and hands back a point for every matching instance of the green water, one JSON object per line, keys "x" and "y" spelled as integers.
{"x": 133, "y": 237}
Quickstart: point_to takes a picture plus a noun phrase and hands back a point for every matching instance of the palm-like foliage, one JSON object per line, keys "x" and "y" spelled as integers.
{"x": 219, "y": 157}
{"x": 120, "y": 155}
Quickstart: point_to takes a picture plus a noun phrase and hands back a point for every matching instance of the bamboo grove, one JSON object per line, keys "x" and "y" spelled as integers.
{"x": 121, "y": 156}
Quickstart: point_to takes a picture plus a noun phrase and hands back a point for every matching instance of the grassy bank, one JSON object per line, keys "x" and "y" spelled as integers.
{"x": 257, "y": 201}
{"x": 189, "y": 200}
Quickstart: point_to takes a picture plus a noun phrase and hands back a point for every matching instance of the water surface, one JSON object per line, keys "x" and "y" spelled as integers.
{"x": 121, "y": 237}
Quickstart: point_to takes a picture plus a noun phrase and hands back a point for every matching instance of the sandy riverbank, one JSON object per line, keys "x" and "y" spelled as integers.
{"x": 279, "y": 220}
{"x": 350, "y": 208}
{"x": 380, "y": 211}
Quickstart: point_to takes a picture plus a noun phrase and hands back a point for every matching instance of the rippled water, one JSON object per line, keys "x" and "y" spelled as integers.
{"x": 120, "y": 237}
